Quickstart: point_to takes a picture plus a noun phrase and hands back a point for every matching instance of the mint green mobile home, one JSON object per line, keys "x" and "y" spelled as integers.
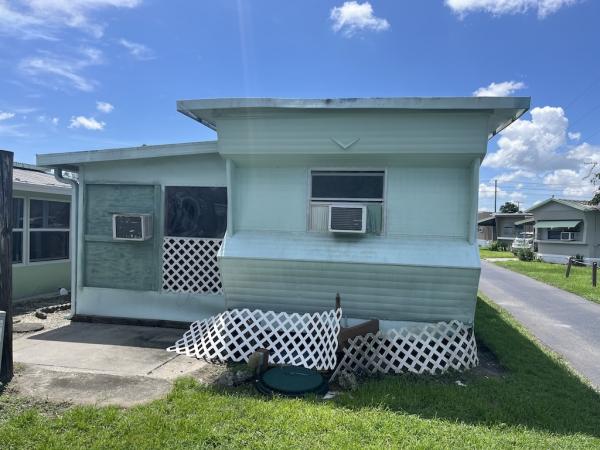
{"x": 295, "y": 201}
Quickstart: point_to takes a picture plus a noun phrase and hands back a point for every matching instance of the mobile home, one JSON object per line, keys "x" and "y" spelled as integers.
{"x": 295, "y": 201}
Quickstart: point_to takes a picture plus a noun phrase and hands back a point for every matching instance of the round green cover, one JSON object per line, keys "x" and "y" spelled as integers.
{"x": 293, "y": 380}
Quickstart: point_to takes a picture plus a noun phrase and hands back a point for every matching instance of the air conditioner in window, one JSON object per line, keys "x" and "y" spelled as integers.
{"x": 349, "y": 218}
{"x": 132, "y": 227}
{"x": 567, "y": 236}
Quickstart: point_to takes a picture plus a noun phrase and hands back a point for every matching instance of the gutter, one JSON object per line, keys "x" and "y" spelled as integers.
{"x": 58, "y": 175}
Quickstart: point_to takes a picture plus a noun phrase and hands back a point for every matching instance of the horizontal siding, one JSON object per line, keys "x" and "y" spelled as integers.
{"x": 311, "y": 132}
{"x": 386, "y": 292}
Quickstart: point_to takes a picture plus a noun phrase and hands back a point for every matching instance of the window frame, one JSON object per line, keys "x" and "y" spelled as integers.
{"x": 21, "y": 230}
{"x": 26, "y": 230}
{"x": 310, "y": 201}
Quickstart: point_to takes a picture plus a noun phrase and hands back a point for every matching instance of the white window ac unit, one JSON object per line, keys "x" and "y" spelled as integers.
{"x": 132, "y": 227}
{"x": 349, "y": 218}
{"x": 567, "y": 236}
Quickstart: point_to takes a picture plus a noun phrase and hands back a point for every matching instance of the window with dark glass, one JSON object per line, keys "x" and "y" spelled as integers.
{"x": 18, "y": 205}
{"x": 195, "y": 211}
{"x": 48, "y": 230}
{"x": 347, "y": 185}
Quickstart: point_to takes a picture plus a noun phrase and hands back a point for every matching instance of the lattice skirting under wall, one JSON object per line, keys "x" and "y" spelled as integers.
{"x": 433, "y": 349}
{"x": 308, "y": 340}
{"x": 190, "y": 265}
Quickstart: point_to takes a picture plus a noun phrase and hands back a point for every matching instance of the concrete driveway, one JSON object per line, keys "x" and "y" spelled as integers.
{"x": 565, "y": 322}
{"x": 102, "y": 364}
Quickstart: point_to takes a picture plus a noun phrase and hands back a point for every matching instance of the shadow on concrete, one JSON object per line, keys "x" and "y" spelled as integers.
{"x": 108, "y": 334}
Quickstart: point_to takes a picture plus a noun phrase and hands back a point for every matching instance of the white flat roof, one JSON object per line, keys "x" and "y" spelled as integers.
{"x": 505, "y": 110}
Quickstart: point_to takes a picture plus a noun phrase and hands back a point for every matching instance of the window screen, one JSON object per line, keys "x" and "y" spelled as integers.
{"x": 195, "y": 211}
{"x": 18, "y": 205}
{"x": 17, "y": 234}
{"x": 347, "y": 185}
{"x": 17, "y": 247}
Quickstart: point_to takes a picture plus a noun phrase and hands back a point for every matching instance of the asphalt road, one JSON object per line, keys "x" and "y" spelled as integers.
{"x": 565, "y": 322}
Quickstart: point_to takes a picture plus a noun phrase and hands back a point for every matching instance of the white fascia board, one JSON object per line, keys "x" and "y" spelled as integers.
{"x": 40, "y": 188}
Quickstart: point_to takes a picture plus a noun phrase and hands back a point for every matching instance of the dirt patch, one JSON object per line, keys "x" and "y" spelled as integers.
{"x": 24, "y": 312}
{"x": 489, "y": 366}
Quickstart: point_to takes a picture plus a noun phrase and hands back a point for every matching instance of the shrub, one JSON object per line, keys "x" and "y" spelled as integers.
{"x": 525, "y": 254}
{"x": 494, "y": 246}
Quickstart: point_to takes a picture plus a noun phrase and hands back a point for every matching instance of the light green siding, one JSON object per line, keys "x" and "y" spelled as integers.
{"x": 40, "y": 278}
{"x": 428, "y": 202}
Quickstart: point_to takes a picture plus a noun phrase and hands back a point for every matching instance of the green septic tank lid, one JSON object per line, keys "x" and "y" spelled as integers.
{"x": 292, "y": 381}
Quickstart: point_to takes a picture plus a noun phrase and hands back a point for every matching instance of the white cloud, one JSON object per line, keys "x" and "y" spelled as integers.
{"x": 63, "y": 70}
{"x": 574, "y": 183}
{"x": 138, "y": 51}
{"x": 89, "y": 123}
{"x": 104, "y": 107}
{"x": 574, "y": 136}
{"x": 502, "y": 89}
{"x": 487, "y": 191}
{"x": 44, "y": 18}
{"x": 352, "y": 17}
{"x": 6, "y": 115}
{"x": 534, "y": 144}
{"x": 517, "y": 174}
{"x": 501, "y": 7}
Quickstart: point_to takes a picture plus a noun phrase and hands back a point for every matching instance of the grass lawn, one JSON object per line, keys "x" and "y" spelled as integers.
{"x": 485, "y": 253}
{"x": 579, "y": 281}
{"x": 537, "y": 403}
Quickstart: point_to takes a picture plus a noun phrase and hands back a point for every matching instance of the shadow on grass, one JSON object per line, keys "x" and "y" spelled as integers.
{"x": 537, "y": 391}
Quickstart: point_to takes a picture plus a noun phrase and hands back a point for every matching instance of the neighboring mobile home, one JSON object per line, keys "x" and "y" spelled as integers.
{"x": 505, "y": 227}
{"x": 41, "y": 223}
{"x": 566, "y": 228}
{"x": 295, "y": 201}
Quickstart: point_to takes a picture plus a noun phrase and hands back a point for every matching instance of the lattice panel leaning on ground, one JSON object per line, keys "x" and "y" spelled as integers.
{"x": 308, "y": 340}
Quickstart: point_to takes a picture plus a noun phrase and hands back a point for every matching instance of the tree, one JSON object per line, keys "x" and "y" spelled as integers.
{"x": 596, "y": 199}
{"x": 509, "y": 207}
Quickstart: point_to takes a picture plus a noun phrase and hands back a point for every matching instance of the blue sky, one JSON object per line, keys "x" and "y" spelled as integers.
{"x": 80, "y": 75}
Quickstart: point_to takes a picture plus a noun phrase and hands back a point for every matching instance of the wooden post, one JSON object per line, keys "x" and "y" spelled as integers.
{"x": 594, "y": 273}
{"x": 338, "y": 301}
{"x": 569, "y": 267}
{"x": 6, "y": 212}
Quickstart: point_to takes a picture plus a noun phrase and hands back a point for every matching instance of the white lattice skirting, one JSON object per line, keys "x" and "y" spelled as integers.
{"x": 190, "y": 265}
{"x": 308, "y": 340}
{"x": 434, "y": 349}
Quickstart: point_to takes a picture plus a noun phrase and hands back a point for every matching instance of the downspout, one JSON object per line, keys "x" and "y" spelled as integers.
{"x": 58, "y": 174}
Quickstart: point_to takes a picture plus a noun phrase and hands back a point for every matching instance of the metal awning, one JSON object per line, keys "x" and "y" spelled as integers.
{"x": 488, "y": 221}
{"x": 557, "y": 223}
{"x": 525, "y": 221}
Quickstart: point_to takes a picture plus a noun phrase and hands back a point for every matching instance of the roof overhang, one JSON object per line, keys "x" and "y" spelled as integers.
{"x": 71, "y": 160}
{"x": 503, "y": 110}
{"x": 570, "y": 204}
{"x": 525, "y": 221}
{"x": 557, "y": 223}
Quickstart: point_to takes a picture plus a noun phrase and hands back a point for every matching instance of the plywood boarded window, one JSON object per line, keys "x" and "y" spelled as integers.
{"x": 199, "y": 212}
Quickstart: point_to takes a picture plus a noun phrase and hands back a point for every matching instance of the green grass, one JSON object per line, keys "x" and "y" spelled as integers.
{"x": 485, "y": 253}
{"x": 537, "y": 403}
{"x": 579, "y": 281}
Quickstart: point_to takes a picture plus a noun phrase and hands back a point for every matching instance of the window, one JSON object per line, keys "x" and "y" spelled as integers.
{"x": 48, "y": 230}
{"x": 195, "y": 211}
{"x": 17, "y": 233}
{"x": 346, "y": 186}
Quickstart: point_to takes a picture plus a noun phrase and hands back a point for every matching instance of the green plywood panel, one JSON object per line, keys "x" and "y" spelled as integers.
{"x": 119, "y": 264}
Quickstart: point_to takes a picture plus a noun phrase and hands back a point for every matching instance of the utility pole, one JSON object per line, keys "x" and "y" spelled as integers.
{"x": 495, "y": 194}
{"x": 6, "y": 212}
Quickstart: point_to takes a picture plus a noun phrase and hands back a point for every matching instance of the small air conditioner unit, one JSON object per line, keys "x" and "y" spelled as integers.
{"x": 132, "y": 227}
{"x": 350, "y": 218}
{"x": 567, "y": 236}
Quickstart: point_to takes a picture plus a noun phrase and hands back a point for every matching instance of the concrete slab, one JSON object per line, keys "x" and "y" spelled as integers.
{"x": 110, "y": 349}
{"x": 100, "y": 364}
